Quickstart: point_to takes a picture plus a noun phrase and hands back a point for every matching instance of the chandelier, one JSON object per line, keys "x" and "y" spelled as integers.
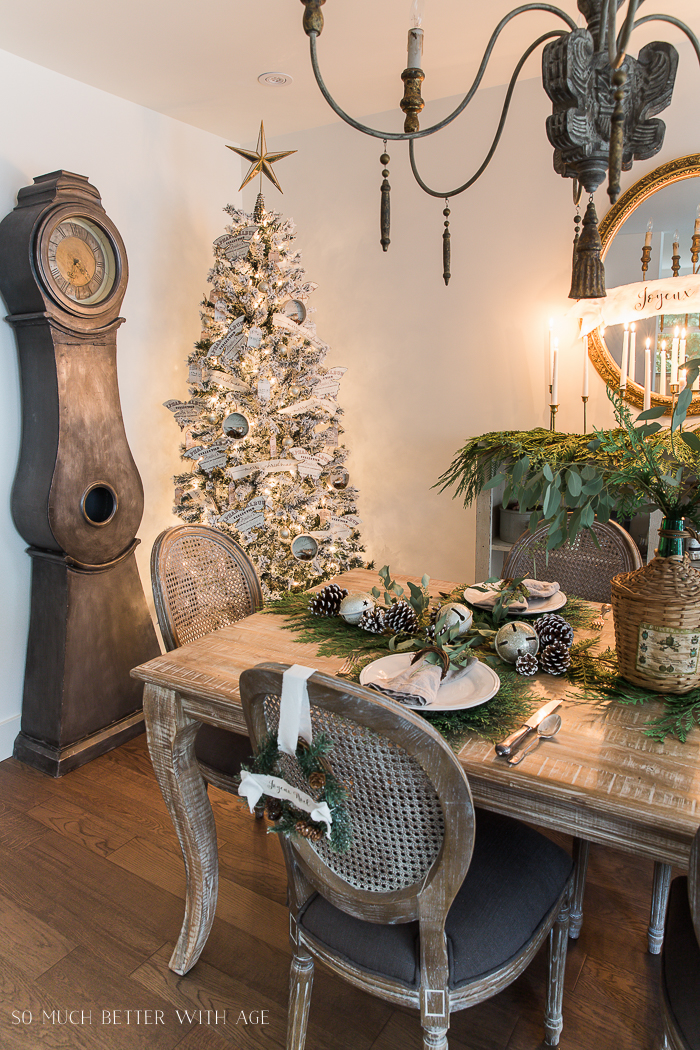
{"x": 604, "y": 110}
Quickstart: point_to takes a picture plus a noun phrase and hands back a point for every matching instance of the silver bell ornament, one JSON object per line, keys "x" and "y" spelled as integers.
{"x": 455, "y": 613}
{"x": 515, "y": 639}
{"x": 354, "y": 606}
{"x": 285, "y": 535}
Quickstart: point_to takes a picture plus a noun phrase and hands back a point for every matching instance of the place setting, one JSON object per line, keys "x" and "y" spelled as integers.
{"x": 516, "y": 597}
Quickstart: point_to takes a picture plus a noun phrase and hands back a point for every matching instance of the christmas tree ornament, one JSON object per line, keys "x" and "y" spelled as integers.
{"x": 235, "y": 425}
{"x": 552, "y": 628}
{"x": 526, "y": 664}
{"x": 400, "y": 618}
{"x": 287, "y": 442}
{"x": 294, "y": 390}
{"x": 515, "y": 639}
{"x": 328, "y": 601}
{"x": 285, "y": 535}
{"x": 340, "y": 480}
{"x": 555, "y": 658}
{"x": 354, "y": 606}
{"x": 304, "y": 548}
{"x": 295, "y": 310}
{"x": 373, "y": 621}
{"x": 454, "y": 614}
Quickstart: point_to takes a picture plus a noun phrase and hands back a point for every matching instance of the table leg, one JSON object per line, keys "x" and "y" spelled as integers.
{"x": 171, "y": 734}
{"x": 659, "y": 903}
{"x": 581, "y": 848}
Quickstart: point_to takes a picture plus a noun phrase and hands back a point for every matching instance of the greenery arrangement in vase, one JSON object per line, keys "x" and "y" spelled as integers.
{"x": 569, "y": 481}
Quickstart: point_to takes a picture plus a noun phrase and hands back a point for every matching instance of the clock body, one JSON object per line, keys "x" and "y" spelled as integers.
{"x": 77, "y": 497}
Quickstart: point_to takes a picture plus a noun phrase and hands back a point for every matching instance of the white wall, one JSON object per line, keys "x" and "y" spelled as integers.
{"x": 430, "y": 366}
{"x": 164, "y": 184}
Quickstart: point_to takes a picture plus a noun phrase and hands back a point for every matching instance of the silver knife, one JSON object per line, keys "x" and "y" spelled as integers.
{"x": 506, "y": 746}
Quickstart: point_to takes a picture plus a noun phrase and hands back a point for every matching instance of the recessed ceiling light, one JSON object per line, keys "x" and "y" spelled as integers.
{"x": 275, "y": 79}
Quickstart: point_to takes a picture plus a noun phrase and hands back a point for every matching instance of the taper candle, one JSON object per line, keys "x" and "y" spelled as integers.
{"x": 584, "y": 392}
{"x": 662, "y": 375}
{"x": 647, "y": 375}
{"x": 674, "y": 355}
{"x": 625, "y": 357}
{"x": 415, "y": 36}
{"x": 555, "y": 374}
{"x": 681, "y": 358}
{"x": 650, "y": 227}
{"x": 632, "y": 370}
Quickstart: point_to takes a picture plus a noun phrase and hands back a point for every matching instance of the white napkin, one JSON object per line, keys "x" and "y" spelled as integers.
{"x": 418, "y": 684}
{"x": 537, "y": 590}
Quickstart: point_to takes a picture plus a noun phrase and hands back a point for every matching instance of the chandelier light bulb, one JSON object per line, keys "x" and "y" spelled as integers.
{"x": 417, "y": 10}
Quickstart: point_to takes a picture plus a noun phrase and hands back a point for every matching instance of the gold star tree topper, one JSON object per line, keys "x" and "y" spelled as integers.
{"x": 261, "y": 161}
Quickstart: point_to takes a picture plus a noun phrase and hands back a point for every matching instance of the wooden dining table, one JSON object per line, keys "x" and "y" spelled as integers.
{"x": 601, "y": 779}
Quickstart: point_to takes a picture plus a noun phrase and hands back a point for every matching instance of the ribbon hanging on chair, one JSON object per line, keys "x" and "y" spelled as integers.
{"x": 295, "y": 712}
{"x": 254, "y": 785}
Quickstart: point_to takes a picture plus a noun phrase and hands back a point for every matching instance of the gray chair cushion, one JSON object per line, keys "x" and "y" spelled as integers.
{"x": 680, "y": 964}
{"x": 515, "y": 877}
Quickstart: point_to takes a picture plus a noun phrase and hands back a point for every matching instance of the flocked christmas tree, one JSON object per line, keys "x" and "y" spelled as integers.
{"x": 262, "y": 433}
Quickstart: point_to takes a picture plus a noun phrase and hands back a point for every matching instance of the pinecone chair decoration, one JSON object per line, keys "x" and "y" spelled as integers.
{"x": 327, "y": 602}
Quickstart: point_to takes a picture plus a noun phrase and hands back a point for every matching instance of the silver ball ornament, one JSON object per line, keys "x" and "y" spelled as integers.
{"x": 295, "y": 390}
{"x": 287, "y": 442}
{"x": 515, "y": 639}
{"x": 353, "y": 606}
{"x": 455, "y": 613}
{"x": 285, "y": 535}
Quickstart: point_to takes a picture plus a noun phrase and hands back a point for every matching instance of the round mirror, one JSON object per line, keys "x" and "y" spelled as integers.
{"x": 235, "y": 425}
{"x": 651, "y": 235}
{"x": 304, "y": 548}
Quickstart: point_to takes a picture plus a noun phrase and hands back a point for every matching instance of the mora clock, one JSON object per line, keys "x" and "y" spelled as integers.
{"x": 77, "y": 497}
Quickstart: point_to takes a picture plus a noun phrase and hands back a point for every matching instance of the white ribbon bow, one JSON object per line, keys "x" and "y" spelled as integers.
{"x": 254, "y": 785}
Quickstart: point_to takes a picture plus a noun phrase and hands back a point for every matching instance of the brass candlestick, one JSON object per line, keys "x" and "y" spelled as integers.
{"x": 695, "y": 251}
{"x": 675, "y": 263}
{"x": 646, "y": 256}
{"x": 412, "y": 102}
{"x": 584, "y": 398}
{"x": 552, "y": 417}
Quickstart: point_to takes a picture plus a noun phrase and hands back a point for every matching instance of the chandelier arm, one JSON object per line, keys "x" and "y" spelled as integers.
{"x": 675, "y": 22}
{"x": 401, "y": 135}
{"x": 499, "y": 129}
{"x": 620, "y": 44}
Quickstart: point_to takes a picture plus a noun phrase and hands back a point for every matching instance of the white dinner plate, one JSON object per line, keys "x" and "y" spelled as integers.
{"x": 535, "y": 606}
{"x": 474, "y": 688}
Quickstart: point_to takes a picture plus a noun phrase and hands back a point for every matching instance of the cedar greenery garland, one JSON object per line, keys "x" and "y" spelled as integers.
{"x": 310, "y": 757}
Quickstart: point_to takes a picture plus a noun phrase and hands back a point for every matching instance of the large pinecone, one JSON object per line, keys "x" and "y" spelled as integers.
{"x": 526, "y": 664}
{"x": 373, "y": 621}
{"x": 401, "y": 619}
{"x": 553, "y": 628}
{"x": 327, "y": 602}
{"x": 555, "y": 658}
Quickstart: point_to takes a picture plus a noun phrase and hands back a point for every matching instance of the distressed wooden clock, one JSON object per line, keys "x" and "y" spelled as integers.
{"x": 77, "y": 498}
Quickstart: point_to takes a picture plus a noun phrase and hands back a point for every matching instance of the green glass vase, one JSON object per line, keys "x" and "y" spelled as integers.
{"x": 670, "y": 538}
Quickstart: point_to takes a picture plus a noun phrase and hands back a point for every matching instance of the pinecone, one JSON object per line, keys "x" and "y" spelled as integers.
{"x": 372, "y": 621}
{"x": 526, "y": 664}
{"x": 317, "y": 780}
{"x": 274, "y": 808}
{"x": 553, "y": 628}
{"x": 327, "y": 602}
{"x": 430, "y": 629}
{"x": 308, "y": 831}
{"x": 555, "y": 658}
{"x": 401, "y": 619}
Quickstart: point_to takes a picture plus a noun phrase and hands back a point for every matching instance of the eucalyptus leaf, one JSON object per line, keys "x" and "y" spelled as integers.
{"x": 691, "y": 439}
{"x": 551, "y": 501}
{"x": 573, "y": 482}
{"x": 493, "y": 482}
{"x": 652, "y": 413}
{"x": 547, "y": 471}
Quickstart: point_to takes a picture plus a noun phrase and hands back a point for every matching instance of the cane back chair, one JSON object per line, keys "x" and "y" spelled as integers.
{"x": 581, "y": 567}
{"x": 203, "y": 580}
{"x": 680, "y": 961}
{"x": 428, "y": 908}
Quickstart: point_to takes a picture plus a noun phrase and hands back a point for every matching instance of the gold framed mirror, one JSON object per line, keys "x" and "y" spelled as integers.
{"x": 623, "y": 232}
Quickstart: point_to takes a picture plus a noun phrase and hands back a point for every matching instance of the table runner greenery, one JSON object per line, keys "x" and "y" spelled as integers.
{"x": 595, "y": 673}
{"x": 494, "y": 720}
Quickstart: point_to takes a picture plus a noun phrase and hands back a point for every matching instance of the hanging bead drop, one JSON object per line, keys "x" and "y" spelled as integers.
{"x": 385, "y": 215}
{"x": 446, "y": 245}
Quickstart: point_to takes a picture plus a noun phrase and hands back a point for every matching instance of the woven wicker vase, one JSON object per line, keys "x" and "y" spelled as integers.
{"x": 656, "y": 611}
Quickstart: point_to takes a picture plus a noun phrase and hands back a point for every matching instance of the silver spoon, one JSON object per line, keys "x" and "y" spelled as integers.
{"x": 547, "y": 728}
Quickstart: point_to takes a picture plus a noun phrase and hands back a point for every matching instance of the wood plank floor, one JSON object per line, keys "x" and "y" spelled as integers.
{"x": 91, "y": 901}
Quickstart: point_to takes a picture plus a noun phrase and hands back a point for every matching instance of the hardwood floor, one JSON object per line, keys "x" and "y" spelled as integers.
{"x": 91, "y": 892}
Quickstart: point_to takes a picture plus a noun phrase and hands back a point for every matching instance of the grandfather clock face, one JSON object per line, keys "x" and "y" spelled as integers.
{"x": 79, "y": 260}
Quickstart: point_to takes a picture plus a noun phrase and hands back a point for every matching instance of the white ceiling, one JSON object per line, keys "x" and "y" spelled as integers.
{"x": 199, "y": 62}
